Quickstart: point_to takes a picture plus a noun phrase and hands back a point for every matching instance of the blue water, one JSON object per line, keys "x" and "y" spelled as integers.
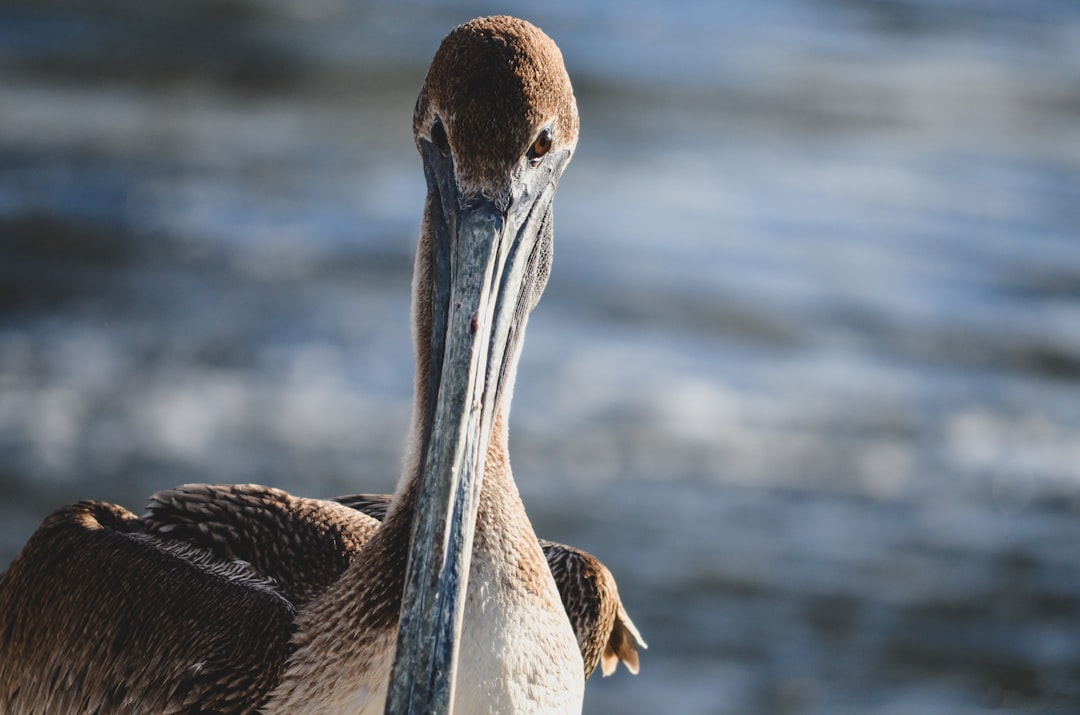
{"x": 806, "y": 376}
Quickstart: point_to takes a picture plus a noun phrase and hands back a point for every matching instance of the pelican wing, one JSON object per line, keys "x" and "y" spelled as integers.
{"x": 604, "y": 631}
{"x": 374, "y": 505}
{"x": 302, "y": 544}
{"x": 98, "y": 615}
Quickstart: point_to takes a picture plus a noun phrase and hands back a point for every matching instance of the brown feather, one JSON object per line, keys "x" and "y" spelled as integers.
{"x": 494, "y": 83}
{"x": 302, "y": 544}
{"x": 97, "y": 615}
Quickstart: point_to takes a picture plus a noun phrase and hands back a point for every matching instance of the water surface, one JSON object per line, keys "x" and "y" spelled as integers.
{"x": 805, "y": 376}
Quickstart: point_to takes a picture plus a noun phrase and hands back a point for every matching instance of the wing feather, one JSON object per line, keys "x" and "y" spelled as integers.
{"x": 99, "y": 616}
{"x": 302, "y": 544}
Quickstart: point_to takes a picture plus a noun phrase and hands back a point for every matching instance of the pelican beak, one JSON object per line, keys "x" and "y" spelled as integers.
{"x": 489, "y": 265}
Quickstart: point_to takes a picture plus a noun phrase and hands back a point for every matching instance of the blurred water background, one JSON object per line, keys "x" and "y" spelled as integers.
{"x": 806, "y": 376}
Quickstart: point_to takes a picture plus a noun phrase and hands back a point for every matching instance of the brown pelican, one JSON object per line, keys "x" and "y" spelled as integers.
{"x": 106, "y": 612}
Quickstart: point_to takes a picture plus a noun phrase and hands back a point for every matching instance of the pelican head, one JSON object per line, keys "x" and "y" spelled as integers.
{"x": 496, "y": 124}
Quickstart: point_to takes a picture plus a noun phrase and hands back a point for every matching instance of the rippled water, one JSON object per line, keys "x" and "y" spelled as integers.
{"x": 805, "y": 376}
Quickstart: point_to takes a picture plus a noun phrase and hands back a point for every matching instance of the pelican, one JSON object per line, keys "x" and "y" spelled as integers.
{"x": 242, "y": 599}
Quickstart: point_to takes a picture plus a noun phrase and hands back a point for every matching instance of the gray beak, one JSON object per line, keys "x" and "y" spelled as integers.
{"x": 490, "y": 264}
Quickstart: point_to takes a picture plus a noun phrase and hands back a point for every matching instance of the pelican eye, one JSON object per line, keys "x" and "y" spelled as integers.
{"x": 540, "y": 146}
{"x": 438, "y": 136}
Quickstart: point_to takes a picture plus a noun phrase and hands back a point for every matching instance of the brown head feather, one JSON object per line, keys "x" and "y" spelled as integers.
{"x": 494, "y": 84}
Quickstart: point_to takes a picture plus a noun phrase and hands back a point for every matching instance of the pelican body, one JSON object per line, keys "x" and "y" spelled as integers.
{"x": 247, "y": 599}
